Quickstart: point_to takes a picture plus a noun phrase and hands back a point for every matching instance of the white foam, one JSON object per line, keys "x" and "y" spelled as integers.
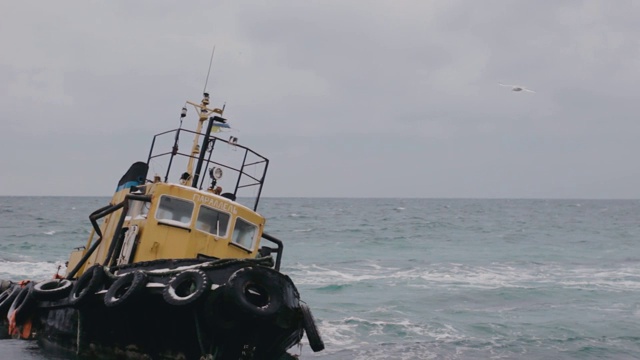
{"x": 317, "y": 275}
{"x": 345, "y": 336}
{"x": 23, "y": 270}
{"x": 493, "y": 276}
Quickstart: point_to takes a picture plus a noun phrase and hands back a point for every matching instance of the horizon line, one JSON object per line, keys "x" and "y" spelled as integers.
{"x": 365, "y": 197}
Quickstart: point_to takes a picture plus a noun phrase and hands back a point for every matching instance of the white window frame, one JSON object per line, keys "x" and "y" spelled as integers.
{"x": 255, "y": 234}
{"x": 226, "y": 232}
{"x": 171, "y": 222}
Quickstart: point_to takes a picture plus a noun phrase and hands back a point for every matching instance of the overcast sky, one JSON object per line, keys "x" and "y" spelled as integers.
{"x": 346, "y": 98}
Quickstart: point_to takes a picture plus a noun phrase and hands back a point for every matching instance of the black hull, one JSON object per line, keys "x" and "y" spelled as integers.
{"x": 242, "y": 311}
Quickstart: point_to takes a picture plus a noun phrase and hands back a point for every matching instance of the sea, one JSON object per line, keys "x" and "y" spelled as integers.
{"x": 413, "y": 278}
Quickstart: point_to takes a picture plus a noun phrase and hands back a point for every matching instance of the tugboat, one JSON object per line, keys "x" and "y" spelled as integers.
{"x": 172, "y": 270}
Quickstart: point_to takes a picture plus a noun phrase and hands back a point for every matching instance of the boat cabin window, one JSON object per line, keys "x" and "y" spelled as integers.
{"x": 244, "y": 234}
{"x": 213, "y": 221}
{"x": 174, "y": 210}
{"x": 137, "y": 209}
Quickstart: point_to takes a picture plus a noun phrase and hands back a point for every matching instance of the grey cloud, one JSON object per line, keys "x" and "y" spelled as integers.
{"x": 336, "y": 91}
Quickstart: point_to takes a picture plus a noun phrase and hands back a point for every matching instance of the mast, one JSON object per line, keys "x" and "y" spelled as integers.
{"x": 203, "y": 114}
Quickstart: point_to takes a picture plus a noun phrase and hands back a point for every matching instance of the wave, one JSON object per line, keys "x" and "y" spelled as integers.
{"x": 23, "y": 270}
{"x": 346, "y": 334}
{"x": 355, "y": 337}
{"x": 321, "y": 276}
{"x": 333, "y": 288}
{"x": 497, "y": 276}
{"x": 9, "y": 256}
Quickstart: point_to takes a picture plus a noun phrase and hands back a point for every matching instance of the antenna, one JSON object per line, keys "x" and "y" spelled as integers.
{"x": 209, "y": 71}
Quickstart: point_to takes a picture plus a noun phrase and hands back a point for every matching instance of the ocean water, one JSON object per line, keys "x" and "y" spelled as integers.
{"x": 415, "y": 278}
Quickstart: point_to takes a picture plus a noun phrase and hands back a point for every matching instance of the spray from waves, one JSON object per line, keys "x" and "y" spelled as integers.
{"x": 9, "y": 256}
{"x": 495, "y": 276}
{"x": 321, "y": 276}
{"x": 344, "y": 336}
{"x": 621, "y": 279}
{"x": 344, "y": 340}
{"x": 36, "y": 234}
{"x": 495, "y": 348}
{"x": 21, "y": 270}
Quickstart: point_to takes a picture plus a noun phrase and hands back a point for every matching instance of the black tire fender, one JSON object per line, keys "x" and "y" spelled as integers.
{"x": 187, "y": 287}
{"x": 127, "y": 288}
{"x": 7, "y": 297}
{"x": 87, "y": 284}
{"x": 5, "y": 284}
{"x": 309, "y": 324}
{"x": 22, "y": 305}
{"x": 255, "y": 291}
{"x": 52, "y": 289}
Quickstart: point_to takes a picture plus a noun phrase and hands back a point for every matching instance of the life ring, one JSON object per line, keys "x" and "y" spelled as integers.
{"x": 7, "y": 297}
{"x": 255, "y": 291}
{"x": 186, "y": 287}
{"x": 87, "y": 284}
{"x": 126, "y": 288}
{"x": 52, "y": 289}
{"x": 309, "y": 324}
{"x": 22, "y": 305}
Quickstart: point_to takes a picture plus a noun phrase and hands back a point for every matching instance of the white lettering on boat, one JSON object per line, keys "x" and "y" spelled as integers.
{"x": 222, "y": 205}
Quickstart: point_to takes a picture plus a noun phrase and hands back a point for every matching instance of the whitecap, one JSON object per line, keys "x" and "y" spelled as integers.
{"x": 21, "y": 270}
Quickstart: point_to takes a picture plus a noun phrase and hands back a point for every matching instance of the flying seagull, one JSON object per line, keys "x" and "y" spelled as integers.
{"x": 517, "y": 88}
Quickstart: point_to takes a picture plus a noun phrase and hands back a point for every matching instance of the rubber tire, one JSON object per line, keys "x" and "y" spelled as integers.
{"x": 5, "y": 284}
{"x": 173, "y": 292}
{"x": 309, "y": 324}
{"x": 132, "y": 283}
{"x": 52, "y": 289}
{"x": 6, "y": 299}
{"x": 262, "y": 279}
{"x": 23, "y": 304}
{"x": 87, "y": 284}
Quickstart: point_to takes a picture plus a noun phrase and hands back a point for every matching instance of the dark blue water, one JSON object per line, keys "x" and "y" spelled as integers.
{"x": 415, "y": 278}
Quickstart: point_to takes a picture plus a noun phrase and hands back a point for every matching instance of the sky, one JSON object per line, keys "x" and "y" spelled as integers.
{"x": 358, "y": 98}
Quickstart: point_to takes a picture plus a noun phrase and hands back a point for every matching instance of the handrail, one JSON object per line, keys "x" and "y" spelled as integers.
{"x": 279, "y": 249}
{"x": 110, "y": 259}
{"x": 245, "y": 179}
{"x": 98, "y": 214}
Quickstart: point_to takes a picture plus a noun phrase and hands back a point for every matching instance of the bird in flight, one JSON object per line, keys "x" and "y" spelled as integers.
{"x": 517, "y": 88}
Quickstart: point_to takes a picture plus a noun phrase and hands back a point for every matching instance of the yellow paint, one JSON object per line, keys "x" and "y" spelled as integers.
{"x": 74, "y": 259}
{"x": 158, "y": 239}
{"x": 161, "y": 241}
